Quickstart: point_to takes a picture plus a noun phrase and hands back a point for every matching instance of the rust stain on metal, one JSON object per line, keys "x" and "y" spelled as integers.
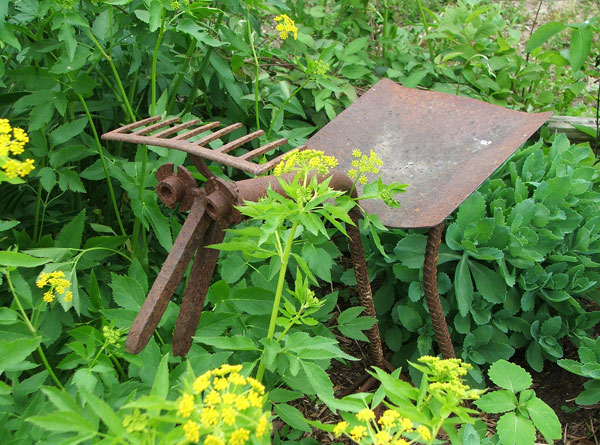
{"x": 442, "y": 146}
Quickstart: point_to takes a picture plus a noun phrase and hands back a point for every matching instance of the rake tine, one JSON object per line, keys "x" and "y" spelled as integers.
{"x": 196, "y": 131}
{"x": 264, "y": 149}
{"x": 176, "y": 128}
{"x": 128, "y": 127}
{"x": 218, "y": 134}
{"x": 151, "y": 128}
{"x": 239, "y": 142}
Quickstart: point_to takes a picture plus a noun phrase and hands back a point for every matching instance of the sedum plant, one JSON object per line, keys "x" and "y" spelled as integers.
{"x": 587, "y": 366}
{"x": 524, "y": 413}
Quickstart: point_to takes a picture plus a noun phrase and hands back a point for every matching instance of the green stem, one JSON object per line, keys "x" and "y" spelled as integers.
{"x": 111, "y": 191}
{"x": 33, "y": 331}
{"x": 179, "y": 78}
{"x": 154, "y": 63}
{"x": 278, "y": 293}
{"x": 256, "y": 70}
{"x": 287, "y": 101}
{"x": 426, "y": 26}
{"x": 36, "y": 218}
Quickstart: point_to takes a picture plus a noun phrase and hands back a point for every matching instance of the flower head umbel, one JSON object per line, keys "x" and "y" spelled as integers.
{"x": 445, "y": 379}
{"x": 305, "y": 161}
{"x": 12, "y": 143}
{"x": 285, "y": 26}
{"x": 227, "y": 404}
{"x": 365, "y": 428}
{"x": 58, "y": 286}
{"x": 363, "y": 164}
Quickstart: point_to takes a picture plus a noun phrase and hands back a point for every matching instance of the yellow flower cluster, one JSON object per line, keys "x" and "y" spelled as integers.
{"x": 387, "y": 430}
{"x": 112, "y": 336}
{"x": 363, "y": 164}
{"x": 285, "y": 26}
{"x": 445, "y": 377}
{"x": 305, "y": 161}
{"x": 58, "y": 286}
{"x": 219, "y": 400}
{"x": 12, "y": 142}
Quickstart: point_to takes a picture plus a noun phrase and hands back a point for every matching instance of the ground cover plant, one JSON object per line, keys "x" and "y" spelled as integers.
{"x": 82, "y": 235}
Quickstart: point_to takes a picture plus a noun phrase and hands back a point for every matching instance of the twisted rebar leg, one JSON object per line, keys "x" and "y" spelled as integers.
{"x": 363, "y": 285}
{"x": 431, "y": 293}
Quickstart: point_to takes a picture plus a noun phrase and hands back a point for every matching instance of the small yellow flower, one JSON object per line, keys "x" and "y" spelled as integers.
{"x": 229, "y": 415}
{"x": 242, "y": 402}
{"x": 209, "y": 416}
{"x": 239, "y": 436}
{"x": 382, "y": 438}
{"x": 358, "y": 432}
{"x": 192, "y": 431}
{"x": 388, "y": 419}
{"x": 400, "y": 442}
{"x": 212, "y": 398}
{"x": 254, "y": 399}
{"x": 201, "y": 383}
{"x": 406, "y": 424}
{"x": 69, "y": 296}
{"x": 213, "y": 440}
{"x": 236, "y": 379}
{"x": 424, "y": 432}
{"x": 220, "y": 383}
{"x": 256, "y": 385}
{"x": 285, "y": 26}
{"x": 48, "y": 296}
{"x": 186, "y": 405}
{"x": 364, "y": 415}
{"x": 261, "y": 428}
{"x": 340, "y": 428}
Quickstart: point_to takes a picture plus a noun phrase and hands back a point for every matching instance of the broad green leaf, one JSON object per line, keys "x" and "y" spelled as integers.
{"x": 64, "y": 421}
{"x": 544, "y": 419}
{"x": 104, "y": 412}
{"x": 71, "y": 234}
{"x": 488, "y": 282}
{"x": 5, "y": 225}
{"x": 514, "y": 429}
{"x": 497, "y": 402}
{"x": 471, "y": 210}
{"x": 160, "y": 224}
{"x": 509, "y": 376}
{"x": 409, "y": 318}
{"x": 410, "y": 251}
{"x": 67, "y": 132}
{"x": 18, "y": 259}
{"x": 543, "y": 34}
{"x": 61, "y": 399}
{"x": 232, "y": 267}
{"x": 160, "y": 386}
{"x": 69, "y": 180}
{"x": 319, "y": 260}
{"x": 579, "y": 49}
{"x": 463, "y": 286}
{"x": 12, "y": 353}
{"x": 234, "y": 343}
{"x": 292, "y": 416}
{"x": 127, "y": 292}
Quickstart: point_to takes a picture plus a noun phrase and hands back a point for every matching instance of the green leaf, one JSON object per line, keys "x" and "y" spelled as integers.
{"x": 232, "y": 268}
{"x": 160, "y": 224}
{"x": 497, "y": 402}
{"x": 61, "y": 399}
{"x": 160, "y": 386}
{"x": 71, "y": 234}
{"x": 319, "y": 261}
{"x": 509, "y": 376}
{"x": 67, "y": 132}
{"x": 543, "y": 34}
{"x": 12, "y": 353}
{"x": 471, "y": 210}
{"x": 514, "y": 429}
{"x": 6, "y": 225}
{"x": 234, "y": 343}
{"x": 410, "y": 251}
{"x": 127, "y": 292}
{"x": 489, "y": 282}
{"x": 18, "y": 259}
{"x": 292, "y": 416}
{"x": 544, "y": 419}
{"x": 104, "y": 412}
{"x": 69, "y": 180}
{"x": 579, "y": 49}
{"x": 64, "y": 421}
{"x": 409, "y": 318}
{"x": 463, "y": 286}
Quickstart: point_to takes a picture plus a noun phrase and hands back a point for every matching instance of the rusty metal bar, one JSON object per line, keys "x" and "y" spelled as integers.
{"x": 432, "y": 296}
{"x": 239, "y": 142}
{"x": 264, "y": 149}
{"x": 134, "y": 125}
{"x": 150, "y": 128}
{"x": 196, "y": 290}
{"x": 197, "y": 131}
{"x": 168, "y": 278}
{"x": 217, "y": 134}
{"x": 176, "y": 128}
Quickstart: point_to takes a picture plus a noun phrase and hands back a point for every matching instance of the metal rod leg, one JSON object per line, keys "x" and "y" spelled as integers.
{"x": 431, "y": 293}
{"x": 363, "y": 284}
{"x": 168, "y": 278}
{"x": 196, "y": 289}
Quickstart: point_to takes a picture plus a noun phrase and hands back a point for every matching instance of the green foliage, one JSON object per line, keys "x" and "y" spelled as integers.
{"x": 587, "y": 366}
{"x": 517, "y": 261}
{"x": 524, "y": 412}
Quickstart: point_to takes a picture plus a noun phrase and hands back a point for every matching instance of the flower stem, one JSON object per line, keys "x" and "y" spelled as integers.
{"x": 33, "y": 331}
{"x": 278, "y": 293}
{"x": 287, "y": 101}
